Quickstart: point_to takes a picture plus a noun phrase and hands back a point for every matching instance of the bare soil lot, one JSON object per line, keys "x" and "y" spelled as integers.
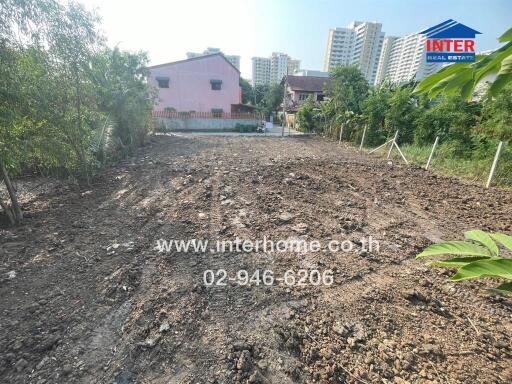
{"x": 94, "y": 302}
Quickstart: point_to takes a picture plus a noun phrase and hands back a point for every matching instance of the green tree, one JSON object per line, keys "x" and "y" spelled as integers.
{"x": 450, "y": 118}
{"x": 348, "y": 89}
{"x": 247, "y": 91}
{"x": 374, "y": 111}
{"x": 272, "y": 99}
{"x": 401, "y": 114}
{"x": 63, "y": 91}
{"x": 305, "y": 115}
{"x": 496, "y": 118}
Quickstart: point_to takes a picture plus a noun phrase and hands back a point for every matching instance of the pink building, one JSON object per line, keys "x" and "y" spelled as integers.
{"x": 200, "y": 84}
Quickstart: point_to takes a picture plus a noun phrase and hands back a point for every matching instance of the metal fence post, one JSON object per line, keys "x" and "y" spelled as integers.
{"x": 392, "y": 143}
{"x": 494, "y": 164}
{"x": 362, "y": 139}
{"x": 432, "y": 152}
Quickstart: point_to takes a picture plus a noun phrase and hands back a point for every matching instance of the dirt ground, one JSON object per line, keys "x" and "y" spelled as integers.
{"x": 91, "y": 299}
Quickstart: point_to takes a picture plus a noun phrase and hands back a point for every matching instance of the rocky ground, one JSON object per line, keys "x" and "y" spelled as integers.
{"x": 87, "y": 298}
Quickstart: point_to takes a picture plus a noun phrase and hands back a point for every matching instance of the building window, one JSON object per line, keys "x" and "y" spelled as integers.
{"x": 319, "y": 97}
{"x": 303, "y": 96}
{"x": 216, "y": 85}
{"x": 163, "y": 82}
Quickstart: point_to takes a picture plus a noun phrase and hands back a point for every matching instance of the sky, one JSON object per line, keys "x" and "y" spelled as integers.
{"x": 168, "y": 29}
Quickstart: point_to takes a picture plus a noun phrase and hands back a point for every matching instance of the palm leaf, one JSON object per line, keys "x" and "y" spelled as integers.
{"x": 483, "y": 238}
{"x": 503, "y": 289}
{"x": 456, "y": 262}
{"x": 459, "y": 248}
{"x": 503, "y": 239}
{"x": 462, "y": 78}
{"x": 497, "y": 268}
{"x": 507, "y": 36}
{"x": 426, "y": 84}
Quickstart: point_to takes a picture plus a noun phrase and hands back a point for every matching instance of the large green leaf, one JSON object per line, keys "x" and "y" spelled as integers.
{"x": 503, "y": 239}
{"x": 483, "y": 238}
{"x": 493, "y": 63}
{"x": 503, "y": 76}
{"x": 432, "y": 80}
{"x": 462, "y": 78}
{"x": 507, "y": 36}
{"x": 505, "y": 288}
{"x": 459, "y": 248}
{"x": 456, "y": 262}
{"x": 499, "y": 268}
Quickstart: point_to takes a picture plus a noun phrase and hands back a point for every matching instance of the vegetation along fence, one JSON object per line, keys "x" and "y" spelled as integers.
{"x": 206, "y": 115}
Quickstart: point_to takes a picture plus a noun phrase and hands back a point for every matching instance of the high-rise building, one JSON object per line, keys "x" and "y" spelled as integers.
{"x": 293, "y": 66}
{"x": 260, "y": 70}
{"x": 360, "y": 44}
{"x": 233, "y": 59}
{"x": 269, "y": 70}
{"x": 385, "y": 54}
{"x": 402, "y": 59}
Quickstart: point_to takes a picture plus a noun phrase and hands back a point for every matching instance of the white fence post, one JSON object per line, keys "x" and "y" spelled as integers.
{"x": 494, "y": 164}
{"x": 341, "y": 132}
{"x": 391, "y": 146}
{"x": 432, "y": 152}
{"x": 362, "y": 139}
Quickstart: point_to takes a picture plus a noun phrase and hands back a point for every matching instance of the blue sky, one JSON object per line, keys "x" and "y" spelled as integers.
{"x": 167, "y": 29}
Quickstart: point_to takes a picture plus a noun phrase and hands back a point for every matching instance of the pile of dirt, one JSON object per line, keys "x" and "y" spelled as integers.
{"x": 87, "y": 297}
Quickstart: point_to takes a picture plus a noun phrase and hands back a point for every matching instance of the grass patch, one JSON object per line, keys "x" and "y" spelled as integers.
{"x": 463, "y": 166}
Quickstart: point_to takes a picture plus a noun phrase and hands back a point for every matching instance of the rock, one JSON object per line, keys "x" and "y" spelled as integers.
{"x": 340, "y": 329}
{"x": 415, "y": 296}
{"x": 151, "y": 341}
{"x": 202, "y": 215}
{"x": 263, "y": 365}
{"x": 67, "y": 369}
{"x": 241, "y": 346}
{"x": 256, "y": 378}
{"x": 300, "y": 228}
{"x": 20, "y": 365}
{"x": 11, "y": 275}
{"x": 42, "y": 363}
{"x": 164, "y": 327}
{"x": 431, "y": 349}
{"x": 285, "y": 217}
{"x": 244, "y": 361}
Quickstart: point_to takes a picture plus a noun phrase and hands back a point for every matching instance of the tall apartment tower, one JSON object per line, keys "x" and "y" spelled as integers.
{"x": 269, "y": 70}
{"x": 233, "y": 59}
{"x": 385, "y": 54}
{"x": 402, "y": 59}
{"x": 260, "y": 70}
{"x": 360, "y": 43}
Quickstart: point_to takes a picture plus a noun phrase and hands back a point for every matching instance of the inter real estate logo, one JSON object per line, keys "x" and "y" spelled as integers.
{"x": 450, "y": 42}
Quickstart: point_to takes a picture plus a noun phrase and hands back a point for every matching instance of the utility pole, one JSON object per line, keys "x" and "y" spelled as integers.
{"x": 284, "y": 101}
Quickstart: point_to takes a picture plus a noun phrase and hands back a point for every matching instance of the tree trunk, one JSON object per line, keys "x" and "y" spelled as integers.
{"x": 8, "y": 212}
{"x": 18, "y": 214}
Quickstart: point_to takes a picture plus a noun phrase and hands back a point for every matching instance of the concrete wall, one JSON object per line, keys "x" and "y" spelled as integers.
{"x": 190, "y": 88}
{"x": 191, "y": 124}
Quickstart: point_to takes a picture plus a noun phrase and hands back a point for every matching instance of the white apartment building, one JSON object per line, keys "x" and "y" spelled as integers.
{"x": 402, "y": 59}
{"x": 260, "y": 70}
{"x": 311, "y": 73}
{"x": 360, "y": 43}
{"x": 233, "y": 59}
{"x": 269, "y": 70}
